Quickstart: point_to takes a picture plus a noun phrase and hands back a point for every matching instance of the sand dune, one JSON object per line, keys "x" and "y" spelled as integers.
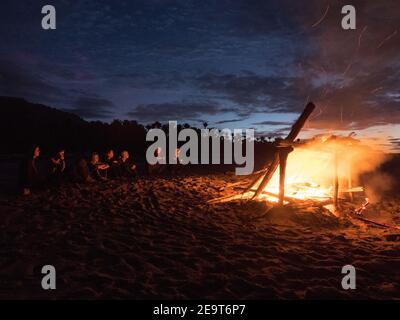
{"x": 159, "y": 238}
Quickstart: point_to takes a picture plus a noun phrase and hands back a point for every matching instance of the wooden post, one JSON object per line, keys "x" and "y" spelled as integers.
{"x": 349, "y": 180}
{"x": 335, "y": 183}
{"x": 283, "y": 155}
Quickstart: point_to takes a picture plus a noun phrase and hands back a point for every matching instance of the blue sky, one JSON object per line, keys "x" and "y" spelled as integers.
{"x": 231, "y": 63}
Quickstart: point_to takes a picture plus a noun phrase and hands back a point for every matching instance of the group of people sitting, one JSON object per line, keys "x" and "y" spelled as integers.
{"x": 111, "y": 167}
{"x": 32, "y": 177}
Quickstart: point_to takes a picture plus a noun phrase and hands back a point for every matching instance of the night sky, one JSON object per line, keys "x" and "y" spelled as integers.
{"x": 231, "y": 63}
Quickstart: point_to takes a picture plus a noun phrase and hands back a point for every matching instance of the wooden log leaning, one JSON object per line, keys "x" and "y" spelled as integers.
{"x": 294, "y": 132}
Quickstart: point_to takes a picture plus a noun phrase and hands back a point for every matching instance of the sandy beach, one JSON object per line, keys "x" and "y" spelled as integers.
{"x": 159, "y": 238}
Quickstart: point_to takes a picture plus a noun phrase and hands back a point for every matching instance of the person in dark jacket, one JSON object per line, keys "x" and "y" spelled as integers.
{"x": 58, "y": 167}
{"x": 113, "y": 165}
{"x": 30, "y": 176}
{"x": 127, "y": 166}
{"x": 97, "y": 169}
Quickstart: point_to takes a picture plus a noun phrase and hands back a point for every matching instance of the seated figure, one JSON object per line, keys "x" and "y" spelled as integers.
{"x": 58, "y": 167}
{"x": 127, "y": 166}
{"x": 113, "y": 165}
{"x": 97, "y": 169}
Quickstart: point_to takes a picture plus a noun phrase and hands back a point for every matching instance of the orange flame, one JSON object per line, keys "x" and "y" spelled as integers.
{"x": 311, "y": 169}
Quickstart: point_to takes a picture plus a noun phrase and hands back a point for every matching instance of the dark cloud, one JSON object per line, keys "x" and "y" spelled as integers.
{"x": 279, "y": 133}
{"x": 173, "y": 111}
{"x": 355, "y": 103}
{"x": 363, "y": 101}
{"x": 229, "y": 121}
{"x": 253, "y": 92}
{"x": 353, "y": 75}
{"x": 92, "y": 107}
{"x": 69, "y": 74}
{"x": 272, "y": 123}
{"x": 15, "y": 80}
{"x": 255, "y": 17}
{"x": 171, "y": 80}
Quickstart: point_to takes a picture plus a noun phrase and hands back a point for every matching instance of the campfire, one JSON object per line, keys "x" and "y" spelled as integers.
{"x": 325, "y": 170}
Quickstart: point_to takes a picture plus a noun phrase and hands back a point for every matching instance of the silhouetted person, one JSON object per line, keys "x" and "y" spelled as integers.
{"x": 113, "y": 165}
{"x": 127, "y": 166}
{"x": 58, "y": 167}
{"x": 30, "y": 176}
{"x": 97, "y": 169}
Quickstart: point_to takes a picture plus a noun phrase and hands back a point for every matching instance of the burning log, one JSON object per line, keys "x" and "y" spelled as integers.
{"x": 283, "y": 155}
{"x": 296, "y": 128}
{"x": 349, "y": 181}
{"x": 271, "y": 194}
{"x": 359, "y": 216}
{"x": 336, "y": 183}
{"x": 360, "y": 210}
{"x": 353, "y": 190}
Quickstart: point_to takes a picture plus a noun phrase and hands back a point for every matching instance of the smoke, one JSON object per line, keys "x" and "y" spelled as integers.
{"x": 377, "y": 184}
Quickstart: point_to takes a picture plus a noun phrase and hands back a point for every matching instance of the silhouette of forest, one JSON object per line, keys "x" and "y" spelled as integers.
{"x": 24, "y": 123}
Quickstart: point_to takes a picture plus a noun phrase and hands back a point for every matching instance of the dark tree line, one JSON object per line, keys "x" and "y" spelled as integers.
{"x": 23, "y": 124}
